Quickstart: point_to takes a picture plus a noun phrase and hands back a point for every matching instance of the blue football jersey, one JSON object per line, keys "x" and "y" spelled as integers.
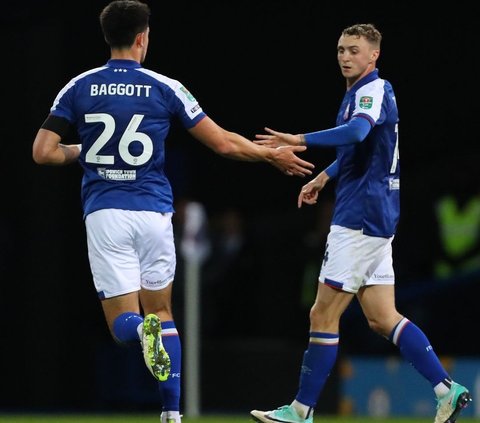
{"x": 123, "y": 113}
{"x": 368, "y": 185}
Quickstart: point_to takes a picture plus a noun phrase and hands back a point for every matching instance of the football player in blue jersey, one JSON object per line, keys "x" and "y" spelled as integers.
{"x": 122, "y": 113}
{"x": 358, "y": 256}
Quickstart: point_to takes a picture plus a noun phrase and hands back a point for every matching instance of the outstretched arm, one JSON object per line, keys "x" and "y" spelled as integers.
{"x": 352, "y": 132}
{"x": 234, "y": 146}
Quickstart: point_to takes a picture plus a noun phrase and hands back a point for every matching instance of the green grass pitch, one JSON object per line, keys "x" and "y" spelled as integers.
{"x": 148, "y": 418}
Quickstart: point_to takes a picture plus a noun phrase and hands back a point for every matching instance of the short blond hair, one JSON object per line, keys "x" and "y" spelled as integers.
{"x": 367, "y": 31}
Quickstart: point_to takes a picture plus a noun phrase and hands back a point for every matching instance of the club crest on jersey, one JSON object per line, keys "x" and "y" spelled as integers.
{"x": 187, "y": 93}
{"x": 366, "y": 102}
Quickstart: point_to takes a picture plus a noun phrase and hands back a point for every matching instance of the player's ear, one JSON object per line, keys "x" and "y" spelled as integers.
{"x": 374, "y": 55}
{"x": 140, "y": 39}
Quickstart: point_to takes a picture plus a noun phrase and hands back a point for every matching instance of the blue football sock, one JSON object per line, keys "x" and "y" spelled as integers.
{"x": 125, "y": 327}
{"x": 170, "y": 389}
{"x": 416, "y": 349}
{"x": 318, "y": 361}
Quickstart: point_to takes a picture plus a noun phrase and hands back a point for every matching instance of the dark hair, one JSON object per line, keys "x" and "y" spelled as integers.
{"x": 367, "y": 31}
{"x": 122, "y": 20}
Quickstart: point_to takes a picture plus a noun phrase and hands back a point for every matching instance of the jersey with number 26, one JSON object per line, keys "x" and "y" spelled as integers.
{"x": 123, "y": 113}
{"x": 368, "y": 185}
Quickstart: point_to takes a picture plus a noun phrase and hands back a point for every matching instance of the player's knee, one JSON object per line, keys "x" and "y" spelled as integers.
{"x": 378, "y": 327}
{"x": 322, "y": 321}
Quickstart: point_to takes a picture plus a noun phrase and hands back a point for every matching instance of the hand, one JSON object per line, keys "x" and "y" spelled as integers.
{"x": 309, "y": 192}
{"x": 277, "y": 139}
{"x": 284, "y": 158}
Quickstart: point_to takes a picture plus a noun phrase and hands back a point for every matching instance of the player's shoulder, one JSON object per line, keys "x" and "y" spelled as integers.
{"x": 76, "y": 81}
{"x": 177, "y": 88}
{"x": 374, "y": 87}
{"x": 161, "y": 78}
{"x": 88, "y": 72}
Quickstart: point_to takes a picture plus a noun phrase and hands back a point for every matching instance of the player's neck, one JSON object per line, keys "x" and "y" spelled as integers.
{"x": 352, "y": 81}
{"x": 124, "y": 55}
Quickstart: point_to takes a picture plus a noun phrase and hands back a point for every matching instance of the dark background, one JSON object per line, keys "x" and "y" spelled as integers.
{"x": 250, "y": 64}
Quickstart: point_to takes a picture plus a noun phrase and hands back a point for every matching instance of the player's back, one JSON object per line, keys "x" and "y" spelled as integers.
{"x": 123, "y": 114}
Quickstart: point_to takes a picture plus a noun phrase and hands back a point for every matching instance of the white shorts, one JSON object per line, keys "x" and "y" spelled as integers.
{"x": 129, "y": 250}
{"x": 353, "y": 260}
